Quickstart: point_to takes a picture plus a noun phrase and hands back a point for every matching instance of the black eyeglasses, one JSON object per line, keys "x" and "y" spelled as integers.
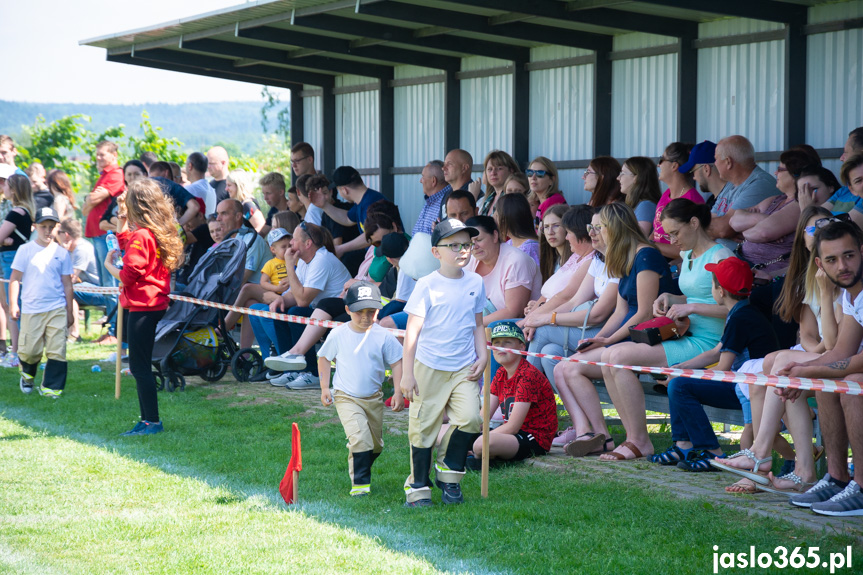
{"x": 537, "y": 173}
{"x": 298, "y": 160}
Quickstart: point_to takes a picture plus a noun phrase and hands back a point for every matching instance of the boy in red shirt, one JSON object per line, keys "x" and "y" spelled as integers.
{"x": 526, "y": 400}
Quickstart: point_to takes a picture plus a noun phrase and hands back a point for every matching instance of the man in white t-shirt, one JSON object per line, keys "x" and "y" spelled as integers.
{"x": 838, "y": 253}
{"x": 319, "y": 274}
{"x": 198, "y": 186}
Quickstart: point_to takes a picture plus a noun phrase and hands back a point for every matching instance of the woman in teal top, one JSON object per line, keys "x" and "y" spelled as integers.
{"x": 685, "y": 224}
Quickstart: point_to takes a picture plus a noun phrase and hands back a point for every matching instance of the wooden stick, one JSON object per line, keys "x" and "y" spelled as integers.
{"x": 486, "y": 416}
{"x": 296, "y": 475}
{"x": 118, "y": 368}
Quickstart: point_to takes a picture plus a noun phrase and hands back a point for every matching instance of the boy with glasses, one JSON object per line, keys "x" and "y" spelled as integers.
{"x": 444, "y": 356}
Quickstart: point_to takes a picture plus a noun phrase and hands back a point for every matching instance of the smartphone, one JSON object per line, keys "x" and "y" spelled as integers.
{"x": 583, "y": 345}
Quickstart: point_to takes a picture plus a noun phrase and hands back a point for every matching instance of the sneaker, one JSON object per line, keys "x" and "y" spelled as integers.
{"x": 564, "y": 437}
{"x": 26, "y": 383}
{"x": 304, "y": 380}
{"x": 845, "y": 504}
{"x": 272, "y": 374}
{"x": 283, "y": 379}
{"x": 263, "y": 376}
{"x": 106, "y": 339}
{"x": 818, "y": 493}
{"x": 419, "y": 503}
{"x": 698, "y": 461}
{"x": 48, "y": 392}
{"x": 11, "y": 360}
{"x": 286, "y": 362}
{"x": 145, "y": 428}
{"x": 450, "y": 493}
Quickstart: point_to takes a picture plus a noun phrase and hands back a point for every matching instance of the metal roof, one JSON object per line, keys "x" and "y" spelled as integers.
{"x": 293, "y": 42}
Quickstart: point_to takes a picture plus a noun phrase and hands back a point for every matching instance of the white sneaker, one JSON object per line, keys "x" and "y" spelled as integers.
{"x": 286, "y": 362}
{"x": 305, "y": 380}
{"x": 284, "y": 379}
{"x": 10, "y": 360}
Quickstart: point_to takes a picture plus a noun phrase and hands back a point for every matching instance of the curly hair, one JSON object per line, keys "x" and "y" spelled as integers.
{"x": 148, "y": 207}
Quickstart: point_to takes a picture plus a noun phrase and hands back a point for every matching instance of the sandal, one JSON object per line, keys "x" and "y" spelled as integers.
{"x": 621, "y": 457}
{"x": 744, "y": 486}
{"x": 698, "y": 461}
{"x": 670, "y": 456}
{"x": 759, "y": 477}
{"x": 587, "y": 444}
{"x": 799, "y": 485}
{"x": 605, "y": 448}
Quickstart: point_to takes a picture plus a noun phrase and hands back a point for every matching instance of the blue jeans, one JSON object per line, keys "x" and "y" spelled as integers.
{"x": 101, "y": 249}
{"x": 6, "y": 263}
{"x": 688, "y": 420}
{"x": 99, "y": 300}
{"x": 283, "y": 335}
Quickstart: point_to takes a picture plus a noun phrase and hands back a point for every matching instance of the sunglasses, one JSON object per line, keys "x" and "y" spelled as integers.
{"x": 593, "y": 229}
{"x": 823, "y": 222}
{"x": 537, "y": 173}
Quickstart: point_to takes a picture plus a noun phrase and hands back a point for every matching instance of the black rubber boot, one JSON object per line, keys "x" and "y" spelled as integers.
{"x": 459, "y": 444}
{"x": 422, "y": 460}
{"x": 55, "y": 375}
{"x": 362, "y": 468}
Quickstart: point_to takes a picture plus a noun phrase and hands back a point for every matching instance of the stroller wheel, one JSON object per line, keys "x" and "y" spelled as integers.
{"x": 216, "y": 371}
{"x": 160, "y": 380}
{"x": 176, "y": 381}
{"x": 246, "y": 363}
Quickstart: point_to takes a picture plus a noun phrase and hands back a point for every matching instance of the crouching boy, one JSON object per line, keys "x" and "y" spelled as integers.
{"x": 445, "y": 354}
{"x": 362, "y": 350}
{"x": 45, "y": 270}
{"x": 526, "y": 400}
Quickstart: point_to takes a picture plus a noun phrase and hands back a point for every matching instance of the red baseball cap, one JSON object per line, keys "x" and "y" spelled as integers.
{"x": 734, "y": 275}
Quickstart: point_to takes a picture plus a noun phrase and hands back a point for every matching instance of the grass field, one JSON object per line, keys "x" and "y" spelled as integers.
{"x": 202, "y": 497}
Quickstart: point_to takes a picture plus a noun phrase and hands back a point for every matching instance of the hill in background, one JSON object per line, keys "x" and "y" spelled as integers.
{"x": 197, "y": 126}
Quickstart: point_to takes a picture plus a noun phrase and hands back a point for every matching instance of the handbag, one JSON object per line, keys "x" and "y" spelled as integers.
{"x": 658, "y": 329}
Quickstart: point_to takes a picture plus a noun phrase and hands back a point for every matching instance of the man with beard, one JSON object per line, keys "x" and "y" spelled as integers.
{"x": 838, "y": 253}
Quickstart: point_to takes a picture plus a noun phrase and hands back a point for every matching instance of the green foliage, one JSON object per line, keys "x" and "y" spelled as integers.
{"x": 274, "y": 155}
{"x": 53, "y": 144}
{"x": 283, "y": 114}
{"x": 166, "y": 149}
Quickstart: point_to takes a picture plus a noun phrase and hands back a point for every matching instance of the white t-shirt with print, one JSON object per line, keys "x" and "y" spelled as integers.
{"x": 448, "y": 308}
{"x": 361, "y": 358}
{"x": 42, "y": 269}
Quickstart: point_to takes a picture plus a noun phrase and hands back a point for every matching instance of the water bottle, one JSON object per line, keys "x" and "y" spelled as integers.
{"x": 114, "y": 244}
{"x": 96, "y": 369}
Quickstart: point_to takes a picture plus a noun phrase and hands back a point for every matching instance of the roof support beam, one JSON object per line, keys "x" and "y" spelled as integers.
{"x": 770, "y": 10}
{"x": 602, "y": 104}
{"x": 263, "y": 73}
{"x": 520, "y": 113}
{"x": 127, "y": 59}
{"x": 297, "y": 117}
{"x": 480, "y": 25}
{"x": 687, "y": 89}
{"x": 387, "y": 135}
{"x": 328, "y": 113}
{"x": 335, "y": 47}
{"x": 795, "y": 85}
{"x": 401, "y": 35}
{"x": 452, "y": 112}
{"x": 599, "y": 16}
{"x": 274, "y": 56}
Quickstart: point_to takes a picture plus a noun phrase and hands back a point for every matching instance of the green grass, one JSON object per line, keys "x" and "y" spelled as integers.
{"x": 202, "y": 497}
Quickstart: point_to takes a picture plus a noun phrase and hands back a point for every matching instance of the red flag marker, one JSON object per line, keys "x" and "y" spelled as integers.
{"x": 288, "y": 486}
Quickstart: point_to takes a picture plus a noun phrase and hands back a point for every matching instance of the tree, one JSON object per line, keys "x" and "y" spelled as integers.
{"x": 283, "y": 115}
{"x": 166, "y": 149}
{"x": 54, "y": 145}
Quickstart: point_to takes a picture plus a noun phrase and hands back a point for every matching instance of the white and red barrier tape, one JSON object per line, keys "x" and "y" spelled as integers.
{"x": 808, "y": 384}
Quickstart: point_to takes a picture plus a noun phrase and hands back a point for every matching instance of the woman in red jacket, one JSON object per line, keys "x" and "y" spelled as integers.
{"x": 148, "y": 235}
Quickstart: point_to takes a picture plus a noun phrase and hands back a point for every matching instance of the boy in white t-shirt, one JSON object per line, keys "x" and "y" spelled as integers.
{"x": 445, "y": 354}
{"x": 362, "y": 350}
{"x": 45, "y": 270}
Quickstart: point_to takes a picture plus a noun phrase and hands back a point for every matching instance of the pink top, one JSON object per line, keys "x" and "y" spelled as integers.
{"x": 514, "y": 268}
{"x": 561, "y": 277}
{"x": 658, "y": 232}
{"x": 553, "y": 199}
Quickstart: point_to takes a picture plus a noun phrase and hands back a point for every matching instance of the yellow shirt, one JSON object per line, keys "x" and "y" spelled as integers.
{"x": 275, "y": 270}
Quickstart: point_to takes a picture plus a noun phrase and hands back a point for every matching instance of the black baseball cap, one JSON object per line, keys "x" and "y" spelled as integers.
{"x": 46, "y": 214}
{"x": 345, "y": 176}
{"x": 450, "y": 227}
{"x": 363, "y": 295}
{"x": 394, "y": 245}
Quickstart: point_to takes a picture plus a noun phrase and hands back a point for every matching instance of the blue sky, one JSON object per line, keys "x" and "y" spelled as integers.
{"x": 44, "y": 63}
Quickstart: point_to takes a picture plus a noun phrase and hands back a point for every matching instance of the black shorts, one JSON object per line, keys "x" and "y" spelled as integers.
{"x": 527, "y": 446}
{"x": 335, "y": 307}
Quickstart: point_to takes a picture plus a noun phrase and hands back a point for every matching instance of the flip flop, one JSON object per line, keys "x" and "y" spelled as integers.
{"x": 759, "y": 477}
{"x": 799, "y": 485}
{"x": 586, "y": 444}
{"x": 745, "y": 486}
{"x": 620, "y": 457}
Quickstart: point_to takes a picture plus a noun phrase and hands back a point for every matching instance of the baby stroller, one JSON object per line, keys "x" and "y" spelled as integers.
{"x": 186, "y": 341}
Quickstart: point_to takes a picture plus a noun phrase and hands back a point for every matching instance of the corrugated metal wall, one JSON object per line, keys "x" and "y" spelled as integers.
{"x": 834, "y": 105}
{"x": 561, "y": 114}
{"x": 486, "y": 109}
{"x": 644, "y": 98}
{"x": 313, "y": 124}
{"x": 419, "y": 135}
{"x": 740, "y": 88}
{"x": 357, "y": 128}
